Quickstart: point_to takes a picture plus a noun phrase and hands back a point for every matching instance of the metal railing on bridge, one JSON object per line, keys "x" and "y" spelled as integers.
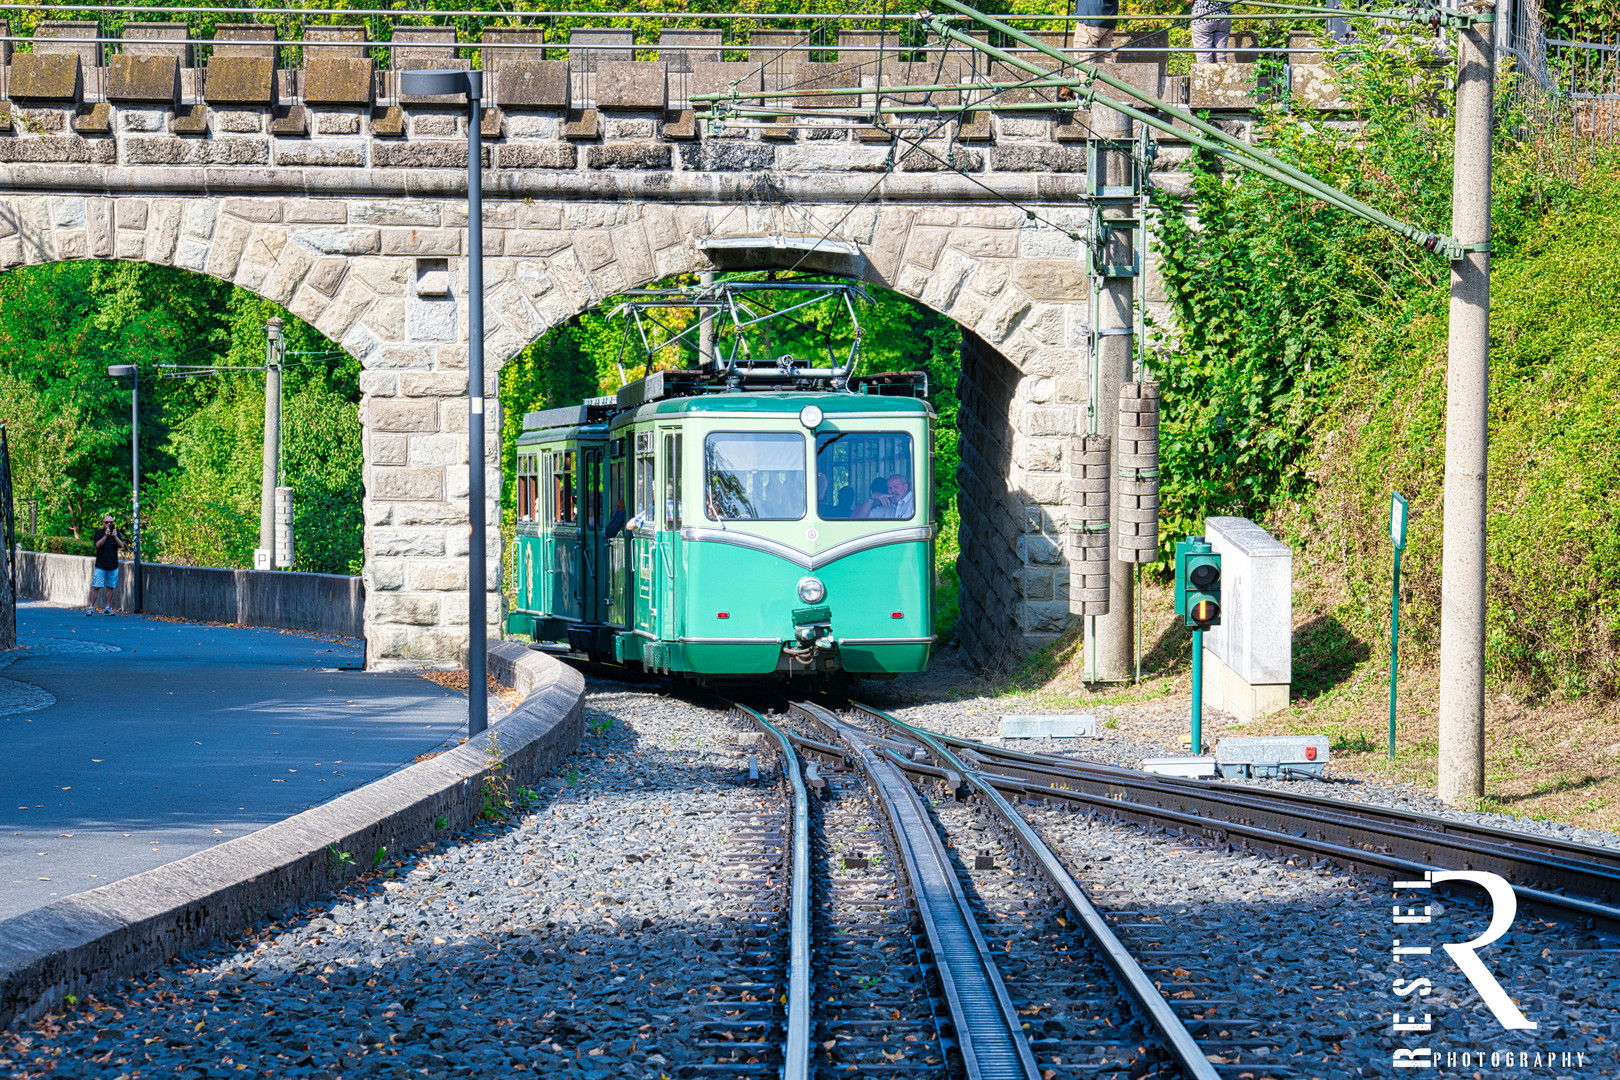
{"x": 1562, "y": 87}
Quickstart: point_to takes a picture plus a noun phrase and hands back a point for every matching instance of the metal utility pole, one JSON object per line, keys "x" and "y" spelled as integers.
{"x": 471, "y": 85}
{"x": 117, "y": 371}
{"x": 1112, "y": 635}
{"x": 1468, "y": 373}
{"x": 477, "y": 507}
{"x": 273, "y": 346}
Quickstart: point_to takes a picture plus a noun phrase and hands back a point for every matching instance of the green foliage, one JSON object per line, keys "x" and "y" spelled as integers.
{"x": 1307, "y": 378}
{"x": 201, "y": 439}
{"x": 1553, "y": 525}
{"x": 61, "y": 325}
{"x": 41, "y": 441}
{"x": 1270, "y": 285}
{"x": 58, "y": 545}
{"x": 1582, "y": 20}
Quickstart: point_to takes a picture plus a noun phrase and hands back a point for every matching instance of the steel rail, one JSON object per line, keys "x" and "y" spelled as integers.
{"x": 1547, "y": 845}
{"x": 989, "y": 1033}
{"x": 796, "y": 1048}
{"x": 1369, "y": 851}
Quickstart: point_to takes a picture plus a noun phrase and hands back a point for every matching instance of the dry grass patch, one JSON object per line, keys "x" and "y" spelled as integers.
{"x": 1554, "y": 759}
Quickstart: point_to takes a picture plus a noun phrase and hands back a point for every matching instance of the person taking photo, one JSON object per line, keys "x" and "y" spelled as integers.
{"x": 105, "y": 576}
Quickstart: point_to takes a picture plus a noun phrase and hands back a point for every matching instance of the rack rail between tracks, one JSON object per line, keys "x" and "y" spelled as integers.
{"x": 796, "y": 1045}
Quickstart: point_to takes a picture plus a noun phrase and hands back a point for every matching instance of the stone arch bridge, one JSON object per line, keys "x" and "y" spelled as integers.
{"x": 323, "y": 190}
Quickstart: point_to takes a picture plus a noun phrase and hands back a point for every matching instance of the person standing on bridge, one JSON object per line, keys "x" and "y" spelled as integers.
{"x": 1211, "y": 30}
{"x": 1095, "y": 29}
{"x": 105, "y": 575}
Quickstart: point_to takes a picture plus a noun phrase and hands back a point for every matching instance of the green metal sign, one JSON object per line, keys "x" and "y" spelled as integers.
{"x": 1397, "y": 536}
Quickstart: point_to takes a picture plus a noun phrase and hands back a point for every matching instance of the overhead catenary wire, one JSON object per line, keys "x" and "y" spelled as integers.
{"x": 1204, "y": 135}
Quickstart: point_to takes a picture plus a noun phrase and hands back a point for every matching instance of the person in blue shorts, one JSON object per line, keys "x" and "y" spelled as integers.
{"x": 105, "y": 575}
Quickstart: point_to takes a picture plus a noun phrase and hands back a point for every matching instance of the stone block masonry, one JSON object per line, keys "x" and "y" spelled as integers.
{"x": 325, "y": 191}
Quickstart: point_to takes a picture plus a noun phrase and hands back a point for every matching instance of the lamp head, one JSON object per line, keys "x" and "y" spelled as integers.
{"x": 115, "y": 370}
{"x": 429, "y": 82}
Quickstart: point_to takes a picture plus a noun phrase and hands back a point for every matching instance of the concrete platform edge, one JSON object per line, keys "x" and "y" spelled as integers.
{"x": 84, "y": 942}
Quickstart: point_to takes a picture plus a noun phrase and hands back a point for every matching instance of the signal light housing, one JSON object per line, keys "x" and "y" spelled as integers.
{"x": 1198, "y": 583}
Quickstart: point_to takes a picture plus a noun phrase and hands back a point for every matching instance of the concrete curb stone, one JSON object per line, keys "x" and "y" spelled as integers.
{"x": 93, "y": 939}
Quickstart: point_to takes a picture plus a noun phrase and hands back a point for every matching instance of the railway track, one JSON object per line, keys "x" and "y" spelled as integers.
{"x": 1559, "y": 880}
{"x": 1019, "y": 992}
{"x": 1006, "y": 968}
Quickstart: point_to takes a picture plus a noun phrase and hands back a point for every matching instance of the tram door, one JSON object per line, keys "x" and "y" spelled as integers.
{"x": 545, "y": 556}
{"x": 618, "y": 548}
{"x": 644, "y": 544}
{"x": 568, "y": 556}
{"x": 669, "y": 533}
{"x": 593, "y": 604}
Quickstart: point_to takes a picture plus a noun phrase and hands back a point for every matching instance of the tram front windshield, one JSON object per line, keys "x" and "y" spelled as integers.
{"x": 865, "y": 474}
{"x": 754, "y": 476}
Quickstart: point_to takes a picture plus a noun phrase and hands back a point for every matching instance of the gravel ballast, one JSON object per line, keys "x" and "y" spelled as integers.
{"x": 569, "y": 942}
{"x": 1304, "y": 953}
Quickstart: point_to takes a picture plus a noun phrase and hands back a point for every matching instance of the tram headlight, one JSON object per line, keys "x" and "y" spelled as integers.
{"x": 810, "y": 416}
{"x": 811, "y": 590}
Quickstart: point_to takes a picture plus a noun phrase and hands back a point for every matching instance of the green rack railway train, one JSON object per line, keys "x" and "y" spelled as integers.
{"x": 730, "y": 528}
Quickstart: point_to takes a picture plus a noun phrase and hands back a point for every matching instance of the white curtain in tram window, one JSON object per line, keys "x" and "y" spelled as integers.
{"x": 762, "y": 452}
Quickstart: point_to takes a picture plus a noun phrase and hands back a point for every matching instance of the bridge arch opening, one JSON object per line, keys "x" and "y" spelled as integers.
{"x": 198, "y": 343}
{"x": 1001, "y": 581}
{"x": 383, "y": 279}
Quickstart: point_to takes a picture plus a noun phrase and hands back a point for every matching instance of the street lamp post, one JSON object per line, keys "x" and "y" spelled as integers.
{"x": 471, "y": 85}
{"x": 117, "y": 371}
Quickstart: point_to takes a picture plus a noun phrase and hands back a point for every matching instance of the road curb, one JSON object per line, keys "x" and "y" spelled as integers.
{"x": 83, "y": 942}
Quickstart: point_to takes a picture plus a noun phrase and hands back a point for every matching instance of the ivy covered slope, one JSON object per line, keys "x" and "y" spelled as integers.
{"x": 1553, "y": 582}
{"x": 1308, "y": 381}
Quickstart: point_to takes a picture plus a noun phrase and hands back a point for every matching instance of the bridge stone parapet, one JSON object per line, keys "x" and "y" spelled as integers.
{"x": 321, "y": 189}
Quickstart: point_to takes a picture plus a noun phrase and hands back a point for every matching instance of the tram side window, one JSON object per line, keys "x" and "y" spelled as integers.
{"x": 754, "y": 476}
{"x": 525, "y": 509}
{"x": 617, "y": 490}
{"x": 672, "y": 481}
{"x": 646, "y": 485}
{"x": 593, "y": 488}
{"x": 865, "y": 474}
{"x": 564, "y": 497}
{"x": 532, "y": 482}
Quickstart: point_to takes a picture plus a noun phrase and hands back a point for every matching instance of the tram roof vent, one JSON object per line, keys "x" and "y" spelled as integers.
{"x": 658, "y": 386}
{"x": 592, "y": 411}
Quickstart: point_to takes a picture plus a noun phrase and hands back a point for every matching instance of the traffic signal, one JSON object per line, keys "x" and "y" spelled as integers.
{"x": 1198, "y": 583}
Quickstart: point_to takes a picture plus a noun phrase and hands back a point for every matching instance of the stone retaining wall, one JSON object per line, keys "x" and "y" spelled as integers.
{"x": 283, "y": 600}
{"x": 82, "y": 942}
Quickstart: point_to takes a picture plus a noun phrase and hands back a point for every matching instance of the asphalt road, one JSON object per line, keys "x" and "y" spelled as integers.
{"x": 132, "y": 742}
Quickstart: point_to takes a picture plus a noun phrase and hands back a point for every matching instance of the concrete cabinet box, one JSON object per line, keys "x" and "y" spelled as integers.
{"x": 1249, "y": 657}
